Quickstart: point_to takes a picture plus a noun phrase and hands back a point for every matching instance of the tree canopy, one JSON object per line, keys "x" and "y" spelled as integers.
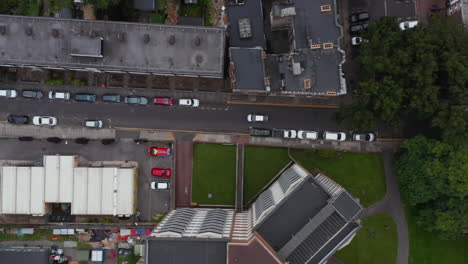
{"x": 434, "y": 177}
{"x": 422, "y": 72}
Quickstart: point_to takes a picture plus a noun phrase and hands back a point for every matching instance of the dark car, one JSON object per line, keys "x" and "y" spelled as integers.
{"x": 358, "y": 28}
{"x": 17, "y": 119}
{"x": 359, "y": 17}
{"x": 33, "y": 94}
{"x": 260, "y": 132}
{"x": 85, "y": 97}
{"x": 113, "y": 98}
{"x": 140, "y": 100}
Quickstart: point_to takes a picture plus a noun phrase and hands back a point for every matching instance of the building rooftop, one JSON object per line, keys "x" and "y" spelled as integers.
{"x": 186, "y": 250}
{"x": 145, "y": 5}
{"x": 252, "y": 10}
{"x": 132, "y": 47}
{"x": 25, "y": 255}
{"x": 247, "y": 69}
{"x": 253, "y": 252}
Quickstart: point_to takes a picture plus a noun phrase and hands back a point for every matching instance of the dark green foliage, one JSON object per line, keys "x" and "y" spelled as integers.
{"x": 20, "y": 7}
{"x": 422, "y": 72}
{"x": 434, "y": 177}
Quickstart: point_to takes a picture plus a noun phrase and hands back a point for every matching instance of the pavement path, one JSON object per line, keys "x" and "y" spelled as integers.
{"x": 391, "y": 204}
{"x": 239, "y": 178}
{"x": 183, "y": 178}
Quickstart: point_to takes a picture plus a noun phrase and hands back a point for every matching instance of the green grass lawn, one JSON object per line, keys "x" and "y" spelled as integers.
{"x": 214, "y": 172}
{"x": 360, "y": 173}
{"x": 426, "y": 248}
{"x": 261, "y": 164}
{"x": 376, "y": 242}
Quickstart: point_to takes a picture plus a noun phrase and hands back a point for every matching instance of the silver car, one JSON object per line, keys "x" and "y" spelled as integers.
{"x": 94, "y": 123}
{"x": 139, "y": 100}
{"x": 44, "y": 121}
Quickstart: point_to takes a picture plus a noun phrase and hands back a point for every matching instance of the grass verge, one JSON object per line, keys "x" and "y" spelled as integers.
{"x": 214, "y": 173}
{"x": 360, "y": 173}
{"x": 376, "y": 242}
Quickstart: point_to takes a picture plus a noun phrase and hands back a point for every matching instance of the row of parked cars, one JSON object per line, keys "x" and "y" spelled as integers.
{"x": 89, "y": 97}
{"x": 47, "y": 121}
{"x": 160, "y": 172}
{"x": 307, "y": 134}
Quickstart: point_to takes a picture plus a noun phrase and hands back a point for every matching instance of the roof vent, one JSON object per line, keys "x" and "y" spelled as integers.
{"x": 93, "y": 34}
{"x": 121, "y": 36}
{"x": 171, "y": 62}
{"x": 2, "y": 30}
{"x": 146, "y": 38}
{"x": 328, "y": 45}
{"x": 55, "y": 33}
{"x": 307, "y": 84}
{"x": 325, "y": 8}
{"x": 171, "y": 40}
{"x": 199, "y": 59}
{"x": 28, "y": 31}
{"x": 197, "y": 41}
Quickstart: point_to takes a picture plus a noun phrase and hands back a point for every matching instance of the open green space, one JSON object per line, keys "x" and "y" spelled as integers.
{"x": 360, "y": 173}
{"x": 426, "y": 248}
{"x": 376, "y": 242}
{"x": 214, "y": 174}
{"x": 261, "y": 164}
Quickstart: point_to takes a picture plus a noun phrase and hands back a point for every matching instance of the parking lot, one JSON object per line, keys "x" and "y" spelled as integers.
{"x": 149, "y": 202}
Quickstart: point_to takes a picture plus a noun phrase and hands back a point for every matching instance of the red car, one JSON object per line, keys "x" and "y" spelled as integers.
{"x": 159, "y": 151}
{"x": 159, "y": 172}
{"x": 163, "y": 101}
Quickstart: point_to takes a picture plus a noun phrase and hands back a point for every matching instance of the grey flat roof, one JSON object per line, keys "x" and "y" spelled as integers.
{"x": 251, "y": 9}
{"x": 346, "y": 205}
{"x": 145, "y": 5}
{"x": 249, "y": 68}
{"x": 25, "y": 255}
{"x": 186, "y": 250}
{"x": 310, "y": 22}
{"x": 169, "y": 49}
{"x": 295, "y": 211}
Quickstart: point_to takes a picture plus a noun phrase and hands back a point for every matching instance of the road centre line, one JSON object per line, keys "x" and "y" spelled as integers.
{"x": 178, "y": 130}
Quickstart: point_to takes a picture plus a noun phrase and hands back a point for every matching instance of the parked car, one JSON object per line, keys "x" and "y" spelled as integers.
{"x": 359, "y": 17}
{"x": 33, "y": 94}
{"x": 355, "y": 29}
{"x": 113, "y": 98}
{"x": 290, "y": 133}
{"x": 8, "y": 93}
{"x": 189, "y": 102}
{"x": 139, "y": 100}
{"x": 160, "y": 172}
{"x": 355, "y": 41}
{"x": 44, "y": 121}
{"x": 59, "y": 95}
{"x": 85, "y": 97}
{"x": 260, "y": 132}
{"x": 304, "y": 134}
{"x": 160, "y": 185}
{"x": 364, "y": 137}
{"x": 408, "y": 24}
{"x": 159, "y": 151}
{"x": 94, "y": 123}
{"x": 257, "y": 118}
{"x": 339, "y": 136}
{"x": 163, "y": 101}
{"x": 18, "y": 119}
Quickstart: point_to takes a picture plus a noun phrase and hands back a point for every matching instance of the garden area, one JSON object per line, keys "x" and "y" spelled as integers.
{"x": 214, "y": 174}
{"x": 376, "y": 242}
{"x": 159, "y": 16}
{"x": 20, "y": 7}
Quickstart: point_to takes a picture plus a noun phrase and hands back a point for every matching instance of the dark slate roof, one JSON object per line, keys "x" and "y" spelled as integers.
{"x": 186, "y": 250}
{"x": 190, "y": 21}
{"x": 251, "y": 9}
{"x": 346, "y": 205}
{"x": 292, "y": 214}
{"x": 248, "y": 68}
{"x": 24, "y": 255}
{"x": 145, "y": 5}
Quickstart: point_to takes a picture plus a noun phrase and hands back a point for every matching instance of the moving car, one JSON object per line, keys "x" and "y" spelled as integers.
{"x": 359, "y": 17}
{"x": 160, "y": 172}
{"x": 304, "y": 134}
{"x": 159, "y": 151}
{"x": 33, "y": 94}
{"x": 163, "y": 101}
{"x": 364, "y": 137}
{"x": 139, "y": 100}
{"x": 113, "y": 98}
{"x": 44, "y": 121}
{"x": 408, "y": 24}
{"x": 59, "y": 95}
{"x": 339, "y": 136}
{"x": 160, "y": 185}
{"x": 355, "y": 29}
{"x": 257, "y": 118}
{"x": 94, "y": 123}
{"x": 18, "y": 119}
{"x": 8, "y": 93}
{"x": 189, "y": 102}
{"x": 84, "y": 97}
{"x": 260, "y": 132}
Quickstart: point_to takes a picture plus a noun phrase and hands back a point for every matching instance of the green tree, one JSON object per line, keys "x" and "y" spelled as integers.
{"x": 434, "y": 177}
{"x": 103, "y": 4}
